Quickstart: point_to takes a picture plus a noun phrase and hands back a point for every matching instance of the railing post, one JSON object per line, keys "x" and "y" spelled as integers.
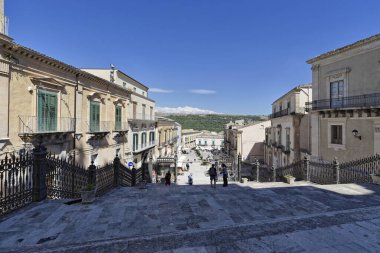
{"x": 239, "y": 167}
{"x": 307, "y": 166}
{"x": 257, "y": 171}
{"x": 92, "y": 174}
{"x": 39, "y": 190}
{"x": 116, "y": 173}
{"x": 274, "y": 173}
{"x": 337, "y": 169}
{"x": 133, "y": 176}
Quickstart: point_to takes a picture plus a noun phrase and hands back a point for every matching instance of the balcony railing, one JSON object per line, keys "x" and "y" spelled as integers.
{"x": 140, "y": 116}
{"x": 142, "y": 146}
{"x": 120, "y": 126}
{"x": 279, "y": 113}
{"x": 37, "y": 125}
{"x": 99, "y": 127}
{"x": 367, "y": 100}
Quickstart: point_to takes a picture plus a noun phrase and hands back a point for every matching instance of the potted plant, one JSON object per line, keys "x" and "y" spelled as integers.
{"x": 375, "y": 178}
{"x": 290, "y": 179}
{"x": 88, "y": 194}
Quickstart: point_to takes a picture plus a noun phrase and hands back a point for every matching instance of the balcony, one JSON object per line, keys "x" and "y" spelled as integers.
{"x": 140, "y": 117}
{"x": 33, "y": 125}
{"x": 143, "y": 146}
{"x": 279, "y": 113}
{"x": 99, "y": 128}
{"x": 361, "y": 101}
{"x": 120, "y": 127}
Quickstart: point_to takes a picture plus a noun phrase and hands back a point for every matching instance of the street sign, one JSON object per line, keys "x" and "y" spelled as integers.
{"x": 130, "y": 164}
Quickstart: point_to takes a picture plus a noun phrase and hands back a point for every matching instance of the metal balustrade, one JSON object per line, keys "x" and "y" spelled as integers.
{"x": 366, "y": 100}
{"x": 37, "y": 125}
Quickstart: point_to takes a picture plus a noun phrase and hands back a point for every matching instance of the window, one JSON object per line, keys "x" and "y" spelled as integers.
{"x": 135, "y": 142}
{"x": 336, "y": 94}
{"x": 134, "y": 109}
{"x": 143, "y": 140}
{"x": 200, "y": 143}
{"x": 151, "y": 138}
{"x": 288, "y": 104}
{"x": 143, "y": 111}
{"x": 124, "y": 84}
{"x": 47, "y": 111}
{"x": 118, "y": 118}
{"x": 213, "y": 143}
{"x": 134, "y": 89}
{"x": 151, "y": 113}
{"x": 336, "y": 134}
{"x": 94, "y": 116}
{"x": 205, "y": 143}
{"x": 287, "y": 138}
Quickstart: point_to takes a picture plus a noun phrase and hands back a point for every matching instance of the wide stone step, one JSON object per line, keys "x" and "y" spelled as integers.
{"x": 214, "y": 237}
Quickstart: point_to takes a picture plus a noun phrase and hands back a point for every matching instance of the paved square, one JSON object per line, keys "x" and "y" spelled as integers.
{"x": 252, "y": 217}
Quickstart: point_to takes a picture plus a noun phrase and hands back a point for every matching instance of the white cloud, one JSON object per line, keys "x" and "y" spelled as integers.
{"x": 158, "y": 90}
{"x": 184, "y": 110}
{"x": 202, "y": 92}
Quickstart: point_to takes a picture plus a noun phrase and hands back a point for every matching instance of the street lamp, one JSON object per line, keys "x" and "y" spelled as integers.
{"x": 175, "y": 167}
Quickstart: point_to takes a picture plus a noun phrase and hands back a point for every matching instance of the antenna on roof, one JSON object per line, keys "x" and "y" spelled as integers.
{"x": 112, "y": 73}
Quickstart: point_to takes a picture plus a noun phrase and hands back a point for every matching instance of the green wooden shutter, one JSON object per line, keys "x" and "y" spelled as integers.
{"x": 47, "y": 111}
{"x": 94, "y": 116}
{"x": 118, "y": 118}
{"x": 52, "y": 113}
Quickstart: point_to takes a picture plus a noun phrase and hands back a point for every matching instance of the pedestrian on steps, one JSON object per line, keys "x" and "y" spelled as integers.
{"x": 225, "y": 175}
{"x": 167, "y": 178}
{"x": 212, "y": 173}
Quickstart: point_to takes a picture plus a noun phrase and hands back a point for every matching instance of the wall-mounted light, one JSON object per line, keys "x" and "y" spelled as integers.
{"x": 356, "y": 134}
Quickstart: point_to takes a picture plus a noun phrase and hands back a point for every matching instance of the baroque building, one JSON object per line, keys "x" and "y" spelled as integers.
{"x": 246, "y": 140}
{"x": 141, "y": 115}
{"x": 287, "y": 139}
{"x": 345, "y": 108}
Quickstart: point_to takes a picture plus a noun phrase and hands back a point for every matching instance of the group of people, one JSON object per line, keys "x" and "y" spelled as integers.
{"x": 213, "y": 175}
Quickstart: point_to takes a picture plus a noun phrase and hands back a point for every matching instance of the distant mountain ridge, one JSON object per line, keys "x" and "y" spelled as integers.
{"x": 183, "y": 110}
{"x": 210, "y": 122}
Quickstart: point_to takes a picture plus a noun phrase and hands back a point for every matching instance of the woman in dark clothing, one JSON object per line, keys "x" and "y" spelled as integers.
{"x": 225, "y": 175}
{"x": 167, "y": 178}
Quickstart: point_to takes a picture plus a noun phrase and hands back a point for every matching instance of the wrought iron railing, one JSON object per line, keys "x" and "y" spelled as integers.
{"x": 38, "y": 125}
{"x": 366, "y": 100}
{"x": 104, "y": 179}
{"x": 64, "y": 180}
{"x": 15, "y": 182}
{"x": 99, "y": 126}
{"x": 120, "y": 126}
{"x": 140, "y": 116}
{"x": 281, "y": 113}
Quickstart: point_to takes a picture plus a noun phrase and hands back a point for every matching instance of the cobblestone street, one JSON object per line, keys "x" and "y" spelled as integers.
{"x": 252, "y": 217}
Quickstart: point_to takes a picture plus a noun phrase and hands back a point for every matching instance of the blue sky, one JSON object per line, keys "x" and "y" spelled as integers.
{"x": 234, "y": 56}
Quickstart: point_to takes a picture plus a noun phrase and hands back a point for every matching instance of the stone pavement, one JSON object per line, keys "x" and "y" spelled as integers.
{"x": 252, "y": 217}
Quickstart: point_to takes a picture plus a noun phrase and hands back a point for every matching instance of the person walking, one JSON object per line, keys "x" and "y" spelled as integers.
{"x": 212, "y": 173}
{"x": 167, "y": 178}
{"x": 225, "y": 175}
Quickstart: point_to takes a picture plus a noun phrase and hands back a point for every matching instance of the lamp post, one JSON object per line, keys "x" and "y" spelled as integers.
{"x": 175, "y": 167}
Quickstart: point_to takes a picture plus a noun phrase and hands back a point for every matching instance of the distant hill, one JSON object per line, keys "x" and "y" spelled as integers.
{"x": 210, "y": 122}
